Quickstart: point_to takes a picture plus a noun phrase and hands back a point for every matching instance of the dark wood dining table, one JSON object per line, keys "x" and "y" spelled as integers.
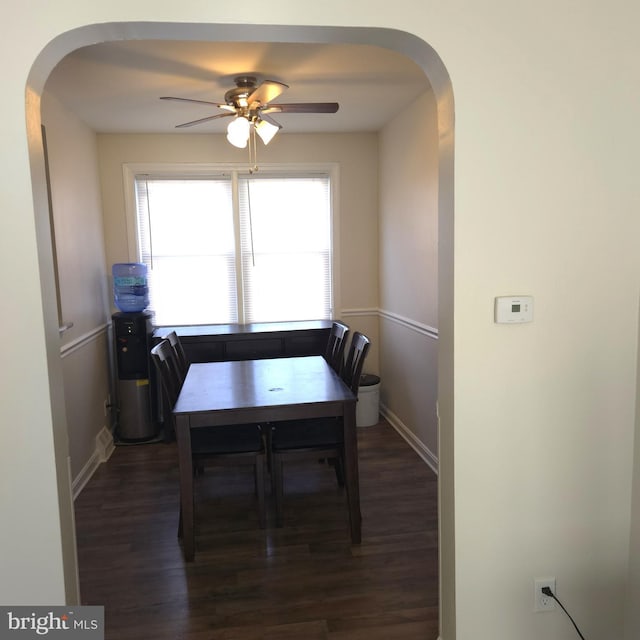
{"x": 263, "y": 391}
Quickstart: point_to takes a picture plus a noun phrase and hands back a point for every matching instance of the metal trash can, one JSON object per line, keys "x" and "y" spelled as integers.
{"x": 367, "y": 408}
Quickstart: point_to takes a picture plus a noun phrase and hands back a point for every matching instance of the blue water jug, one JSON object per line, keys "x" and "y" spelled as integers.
{"x": 130, "y": 289}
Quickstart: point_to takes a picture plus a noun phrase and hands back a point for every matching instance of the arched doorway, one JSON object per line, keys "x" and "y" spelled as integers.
{"x": 435, "y": 71}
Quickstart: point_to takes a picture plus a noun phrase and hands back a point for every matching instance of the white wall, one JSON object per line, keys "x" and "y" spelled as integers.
{"x": 541, "y": 421}
{"x": 409, "y": 273}
{"x": 546, "y": 205}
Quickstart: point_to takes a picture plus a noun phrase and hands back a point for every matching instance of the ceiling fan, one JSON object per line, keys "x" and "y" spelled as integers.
{"x": 250, "y": 106}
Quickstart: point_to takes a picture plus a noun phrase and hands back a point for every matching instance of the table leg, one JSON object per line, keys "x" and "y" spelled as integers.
{"x": 352, "y": 481}
{"x": 183, "y": 438}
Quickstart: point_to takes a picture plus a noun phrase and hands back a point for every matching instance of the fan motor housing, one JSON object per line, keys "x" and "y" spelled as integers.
{"x": 245, "y": 85}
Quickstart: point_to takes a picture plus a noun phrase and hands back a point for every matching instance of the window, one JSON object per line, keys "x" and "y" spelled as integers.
{"x": 234, "y": 247}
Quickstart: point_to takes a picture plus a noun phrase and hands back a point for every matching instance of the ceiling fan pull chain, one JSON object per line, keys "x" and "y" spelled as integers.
{"x": 253, "y": 255}
{"x": 147, "y": 198}
{"x": 253, "y": 151}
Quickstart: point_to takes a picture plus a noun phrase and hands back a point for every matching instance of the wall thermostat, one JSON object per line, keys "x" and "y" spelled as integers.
{"x": 513, "y": 309}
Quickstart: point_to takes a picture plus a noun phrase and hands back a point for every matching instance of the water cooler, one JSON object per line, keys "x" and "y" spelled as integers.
{"x": 132, "y": 340}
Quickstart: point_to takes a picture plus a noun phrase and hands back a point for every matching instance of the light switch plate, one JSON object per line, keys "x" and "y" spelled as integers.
{"x": 513, "y": 309}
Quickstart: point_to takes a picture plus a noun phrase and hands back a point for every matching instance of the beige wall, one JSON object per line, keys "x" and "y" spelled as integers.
{"x": 633, "y": 592}
{"x": 409, "y": 273}
{"x": 409, "y": 212}
{"x": 357, "y": 157}
{"x": 77, "y": 212}
{"x": 538, "y": 419}
{"x": 86, "y": 377}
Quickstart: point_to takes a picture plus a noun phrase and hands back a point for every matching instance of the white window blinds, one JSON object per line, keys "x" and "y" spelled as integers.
{"x": 236, "y": 248}
{"x": 186, "y": 239}
{"x": 286, "y": 248}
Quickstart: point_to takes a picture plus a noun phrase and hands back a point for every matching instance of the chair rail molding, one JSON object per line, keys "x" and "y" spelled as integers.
{"x": 414, "y": 325}
{"x": 83, "y": 340}
{"x": 354, "y": 313}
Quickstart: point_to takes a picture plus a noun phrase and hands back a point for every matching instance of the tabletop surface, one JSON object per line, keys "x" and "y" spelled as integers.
{"x": 220, "y": 386}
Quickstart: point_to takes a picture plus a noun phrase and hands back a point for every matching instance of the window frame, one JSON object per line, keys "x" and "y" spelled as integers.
{"x": 177, "y": 170}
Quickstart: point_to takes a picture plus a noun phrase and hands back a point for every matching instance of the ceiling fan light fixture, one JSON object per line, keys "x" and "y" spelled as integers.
{"x": 250, "y": 102}
{"x": 238, "y": 132}
{"x": 266, "y": 130}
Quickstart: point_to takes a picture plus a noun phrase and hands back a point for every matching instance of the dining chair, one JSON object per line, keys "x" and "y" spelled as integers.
{"x": 171, "y": 378}
{"x": 241, "y": 444}
{"x": 356, "y": 356}
{"x": 181, "y": 357}
{"x": 164, "y": 358}
{"x": 317, "y": 437}
{"x": 334, "y": 352}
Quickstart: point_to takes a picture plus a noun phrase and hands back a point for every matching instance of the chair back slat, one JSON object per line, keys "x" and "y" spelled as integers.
{"x": 334, "y": 352}
{"x": 355, "y": 360}
{"x": 164, "y": 359}
{"x": 181, "y": 357}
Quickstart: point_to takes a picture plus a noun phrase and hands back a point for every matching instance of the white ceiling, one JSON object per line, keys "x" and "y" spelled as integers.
{"x": 115, "y": 87}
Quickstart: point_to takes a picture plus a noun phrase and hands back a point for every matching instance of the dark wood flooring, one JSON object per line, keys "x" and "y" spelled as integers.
{"x": 304, "y": 581}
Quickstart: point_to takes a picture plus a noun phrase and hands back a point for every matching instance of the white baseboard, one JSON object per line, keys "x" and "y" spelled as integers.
{"x": 104, "y": 448}
{"x": 104, "y": 444}
{"x": 412, "y": 440}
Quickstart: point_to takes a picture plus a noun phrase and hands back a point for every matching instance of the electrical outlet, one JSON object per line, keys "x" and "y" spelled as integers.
{"x": 541, "y": 602}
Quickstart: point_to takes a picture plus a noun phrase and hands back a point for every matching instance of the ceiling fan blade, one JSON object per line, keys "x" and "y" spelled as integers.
{"x": 215, "y": 104}
{"x": 303, "y": 107}
{"x": 270, "y": 120}
{"x": 269, "y": 90}
{"x": 201, "y": 120}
